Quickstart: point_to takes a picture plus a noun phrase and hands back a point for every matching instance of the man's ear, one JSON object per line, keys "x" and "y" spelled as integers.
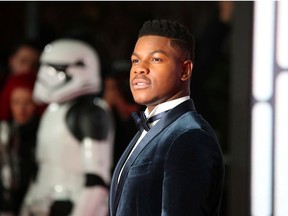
{"x": 186, "y": 70}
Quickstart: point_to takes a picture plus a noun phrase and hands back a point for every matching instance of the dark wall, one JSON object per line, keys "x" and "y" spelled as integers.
{"x": 240, "y": 88}
{"x": 112, "y": 26}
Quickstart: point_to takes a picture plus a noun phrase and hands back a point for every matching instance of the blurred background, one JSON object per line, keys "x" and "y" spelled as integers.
{"x": 222, "y": 77}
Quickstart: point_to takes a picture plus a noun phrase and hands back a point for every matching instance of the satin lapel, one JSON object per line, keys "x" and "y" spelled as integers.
{"x": 117, "y": 170}
{"x": 165, "y": 121}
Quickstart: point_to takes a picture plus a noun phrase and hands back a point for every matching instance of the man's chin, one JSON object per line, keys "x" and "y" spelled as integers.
{"x": 146, "y": 100}
{"x": 141, "y": 100}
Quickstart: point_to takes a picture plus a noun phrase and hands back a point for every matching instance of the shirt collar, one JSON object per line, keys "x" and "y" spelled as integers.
{"x": 165, "y": 106}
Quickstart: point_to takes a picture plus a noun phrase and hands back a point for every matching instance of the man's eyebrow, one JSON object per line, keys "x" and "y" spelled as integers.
{"x": 152, "y": 53}
{"x": 158, "y": 51}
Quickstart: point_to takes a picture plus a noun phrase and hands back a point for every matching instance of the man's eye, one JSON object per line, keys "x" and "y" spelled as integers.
{"x": 134, "y": 61}
{"x": 156, "y": 60}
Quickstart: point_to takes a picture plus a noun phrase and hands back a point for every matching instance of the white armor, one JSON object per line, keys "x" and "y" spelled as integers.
{"x": 64, "y": 60}
{"x": 74, "y": 162}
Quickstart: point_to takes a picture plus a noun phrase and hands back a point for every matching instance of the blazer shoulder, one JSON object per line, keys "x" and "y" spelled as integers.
{"x": 191, "y": 121}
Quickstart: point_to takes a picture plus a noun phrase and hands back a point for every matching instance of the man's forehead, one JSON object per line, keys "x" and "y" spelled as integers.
{"x": 153, "y": 42}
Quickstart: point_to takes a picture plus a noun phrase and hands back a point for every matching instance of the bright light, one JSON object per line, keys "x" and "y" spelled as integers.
{"x": 269, "y": 173}
{"x": 281, "y": 145}
{"x": 261, "y": 166}
{"x": 282, "y": 34}
{"x": 262, "y": 111}
{"x": 263, "y": 46}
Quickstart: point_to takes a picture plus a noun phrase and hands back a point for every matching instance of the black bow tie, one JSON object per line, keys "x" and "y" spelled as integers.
{"x": 142, "y": 122}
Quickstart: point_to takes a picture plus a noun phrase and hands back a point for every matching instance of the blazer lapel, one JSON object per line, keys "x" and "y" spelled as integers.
{"x": 114, "y": 181}
{"x": 165, "y": 121}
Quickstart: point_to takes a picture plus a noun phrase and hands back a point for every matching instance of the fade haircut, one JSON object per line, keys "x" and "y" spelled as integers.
{"x": 179, "y": 35}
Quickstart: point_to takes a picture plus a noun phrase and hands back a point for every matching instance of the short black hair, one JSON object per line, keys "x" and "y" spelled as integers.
{"x": 179, "y": 34}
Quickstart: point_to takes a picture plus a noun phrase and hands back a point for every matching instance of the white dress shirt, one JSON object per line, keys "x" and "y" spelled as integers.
{"x": 158, "y": 109}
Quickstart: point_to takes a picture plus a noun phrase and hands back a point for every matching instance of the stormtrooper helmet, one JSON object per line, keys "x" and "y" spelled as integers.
{"x": 68, "y": 68}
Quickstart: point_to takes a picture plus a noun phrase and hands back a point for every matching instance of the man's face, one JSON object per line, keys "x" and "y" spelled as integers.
{"x": 22, "y": 105}
{"x": 26, "y": 59}
{"x": 157, "y": 71}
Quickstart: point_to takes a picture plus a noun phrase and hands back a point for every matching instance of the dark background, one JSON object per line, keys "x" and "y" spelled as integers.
{"x": 111, "y": 26}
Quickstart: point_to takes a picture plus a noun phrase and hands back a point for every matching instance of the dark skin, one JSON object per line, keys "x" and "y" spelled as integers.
{"x": 159, "y": 72}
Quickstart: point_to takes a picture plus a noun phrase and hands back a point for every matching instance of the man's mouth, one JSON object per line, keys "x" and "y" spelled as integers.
{"x": 140, "y": 83}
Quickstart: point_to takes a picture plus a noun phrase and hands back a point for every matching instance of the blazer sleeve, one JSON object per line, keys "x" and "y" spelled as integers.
{"x": 193, "y": 175}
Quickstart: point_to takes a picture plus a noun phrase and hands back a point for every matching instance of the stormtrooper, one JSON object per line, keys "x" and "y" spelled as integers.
{"x": 75, "y": 136}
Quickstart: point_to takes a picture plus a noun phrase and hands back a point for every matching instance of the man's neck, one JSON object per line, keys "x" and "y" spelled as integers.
{"x": 165, "y": 106}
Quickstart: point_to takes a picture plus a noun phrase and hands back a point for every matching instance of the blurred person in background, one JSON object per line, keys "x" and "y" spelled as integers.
{"x": 17, "y": 142}
{"x": 23, "y": 58}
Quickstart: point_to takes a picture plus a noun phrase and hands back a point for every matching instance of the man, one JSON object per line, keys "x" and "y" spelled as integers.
{"x": 173, "y": 166}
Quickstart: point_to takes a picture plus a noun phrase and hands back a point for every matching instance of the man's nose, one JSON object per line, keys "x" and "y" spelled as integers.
{"x": 141, "y": 68}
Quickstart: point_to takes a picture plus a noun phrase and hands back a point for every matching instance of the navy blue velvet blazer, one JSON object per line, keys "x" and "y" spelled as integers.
{"x": 176, "y": 170}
